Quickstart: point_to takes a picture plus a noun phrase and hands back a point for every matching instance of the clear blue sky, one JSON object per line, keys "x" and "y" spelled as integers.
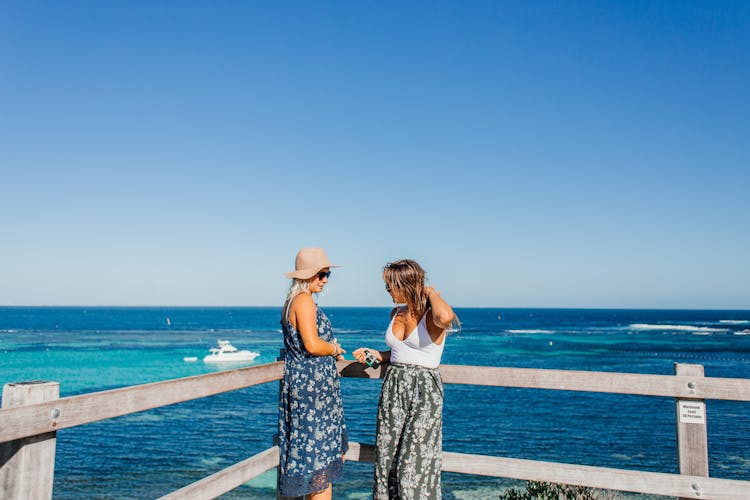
{"x": 543, "y": 154}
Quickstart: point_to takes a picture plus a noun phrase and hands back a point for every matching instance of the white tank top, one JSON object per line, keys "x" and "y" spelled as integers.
{"x": 417, "y": 348}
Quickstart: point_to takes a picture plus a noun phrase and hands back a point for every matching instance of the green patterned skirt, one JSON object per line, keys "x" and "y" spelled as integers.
{"x": 409, "y": 442}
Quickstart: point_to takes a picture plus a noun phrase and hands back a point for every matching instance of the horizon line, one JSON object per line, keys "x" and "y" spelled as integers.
{"x": 245, "y": 306}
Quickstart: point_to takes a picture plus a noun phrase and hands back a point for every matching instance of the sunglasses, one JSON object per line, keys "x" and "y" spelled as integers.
{"x": 323, "y": 274}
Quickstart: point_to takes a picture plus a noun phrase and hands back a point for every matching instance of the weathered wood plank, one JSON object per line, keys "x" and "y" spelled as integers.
{"x": 27, "y": 466}
{"x": 35, "y": 419}
{"x": 360, "y": 452}
{"x": 228, "y": 479}
{"x": 692, "y": 436}
{"x": 575, "y": 380}
{"x": 39, "y": 418}
{"x": 613, "y": 382}
{"x": 654, "y": 483}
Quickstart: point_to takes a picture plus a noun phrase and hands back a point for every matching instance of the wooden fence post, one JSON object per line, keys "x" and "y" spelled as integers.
{"x": 692, "y": 434}
{"x": 27, "y": 465}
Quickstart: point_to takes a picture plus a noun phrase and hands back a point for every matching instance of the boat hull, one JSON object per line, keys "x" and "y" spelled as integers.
{"x": 231, "y": 357}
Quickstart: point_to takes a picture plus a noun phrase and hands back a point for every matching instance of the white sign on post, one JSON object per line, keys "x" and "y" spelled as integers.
{"x": 692, "y": 412}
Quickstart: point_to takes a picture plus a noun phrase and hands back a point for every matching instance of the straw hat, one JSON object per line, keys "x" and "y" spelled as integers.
{"x": 308, "y": 262}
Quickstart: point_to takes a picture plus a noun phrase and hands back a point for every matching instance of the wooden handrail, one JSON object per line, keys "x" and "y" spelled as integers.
{"x": 72, "y": 411}
{"x": 39, "y": 418}
{"x": 655, "y": 483}
{"x": 23, "y": 421}
{"x": 228, "y": 479}
{"x": 575, "y": 380}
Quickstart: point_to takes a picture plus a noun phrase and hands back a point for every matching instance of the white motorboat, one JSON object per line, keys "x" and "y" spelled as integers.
{"x": 227, "y": 353}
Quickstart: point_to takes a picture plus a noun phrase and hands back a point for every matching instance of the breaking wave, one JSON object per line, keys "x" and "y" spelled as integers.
{"x": 698, "y": 330}
{"x": 529, "y": 331}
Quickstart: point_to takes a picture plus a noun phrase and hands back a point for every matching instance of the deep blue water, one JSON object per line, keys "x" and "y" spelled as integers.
{"x": 152, "y": 453}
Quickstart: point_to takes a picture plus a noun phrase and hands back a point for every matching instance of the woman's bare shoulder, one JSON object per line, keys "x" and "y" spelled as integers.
{"x": 302, "y": 302}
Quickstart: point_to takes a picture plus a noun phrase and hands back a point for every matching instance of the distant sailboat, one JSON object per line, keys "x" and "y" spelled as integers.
{"x": 169, "y": 322}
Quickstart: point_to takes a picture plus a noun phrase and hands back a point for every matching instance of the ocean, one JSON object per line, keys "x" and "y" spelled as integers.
{"x": 149, "y": 454}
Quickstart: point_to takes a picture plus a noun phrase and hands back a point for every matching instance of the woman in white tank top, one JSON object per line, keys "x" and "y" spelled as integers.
{"x": 408, "y": 457}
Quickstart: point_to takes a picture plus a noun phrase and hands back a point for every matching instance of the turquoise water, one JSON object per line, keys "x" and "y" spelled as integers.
{"x": 151, "y": 453}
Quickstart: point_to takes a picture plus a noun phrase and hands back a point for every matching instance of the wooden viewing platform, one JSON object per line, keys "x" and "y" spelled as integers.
{"x": 32, "y": 412}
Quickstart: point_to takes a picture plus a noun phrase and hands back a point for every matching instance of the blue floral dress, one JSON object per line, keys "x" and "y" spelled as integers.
{"x": 312, "y": 432}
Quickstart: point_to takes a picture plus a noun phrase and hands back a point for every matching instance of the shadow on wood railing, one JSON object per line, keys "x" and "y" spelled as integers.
{"x": 31, "y": 414}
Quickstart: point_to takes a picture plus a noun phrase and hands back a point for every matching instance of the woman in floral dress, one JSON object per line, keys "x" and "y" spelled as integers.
{"x": 408, "y": 455}
{"x": 312, "y": 432}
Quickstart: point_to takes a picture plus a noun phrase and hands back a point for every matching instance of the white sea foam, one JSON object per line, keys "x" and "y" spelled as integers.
{"x": 682, "y": 328}
{"x": 746, "y": 331}
{"x": 143, "y": 417}
{"x": 211, "y": 461}
{"x": 529, "y": 331}
{"x": 735, "y": 321}
{"x": 344, "y": 330}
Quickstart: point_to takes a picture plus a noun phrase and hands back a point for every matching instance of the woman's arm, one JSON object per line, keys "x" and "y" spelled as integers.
{"x": 442, "y": 313}
{"x": 303, "y": 310}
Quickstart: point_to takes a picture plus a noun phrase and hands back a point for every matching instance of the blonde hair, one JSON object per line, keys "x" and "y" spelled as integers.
{"x": 297, "y": 287}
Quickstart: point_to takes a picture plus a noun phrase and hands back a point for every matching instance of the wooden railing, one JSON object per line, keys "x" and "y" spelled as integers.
{"x": 32, "y": 413}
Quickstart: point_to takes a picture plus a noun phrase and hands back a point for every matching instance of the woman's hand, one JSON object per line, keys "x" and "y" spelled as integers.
{"x": 339, "y": 353}
{"x": 359, "y": 354}
{"x": 430, "y": 291}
